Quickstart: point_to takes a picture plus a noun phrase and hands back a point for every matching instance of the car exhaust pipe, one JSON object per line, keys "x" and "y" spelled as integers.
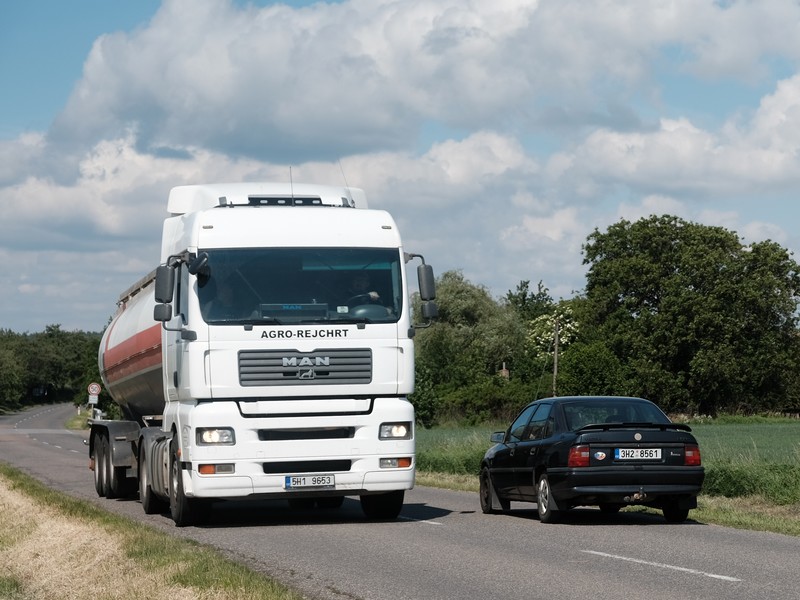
{"x": 639, "y": 496}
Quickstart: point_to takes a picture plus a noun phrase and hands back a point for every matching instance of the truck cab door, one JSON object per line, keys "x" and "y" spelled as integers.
{"x": 175, "y": 347}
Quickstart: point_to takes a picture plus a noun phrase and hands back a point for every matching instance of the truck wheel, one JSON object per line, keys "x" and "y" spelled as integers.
{"x": 105, "y": 453}
{"x": 184, "y": 511}
{"x": 151, "y": 504}
{"x": 330, "y": 502}
{"x": 113, "y": 484}
{"x": 383, "y": 507}
{"x": 99, "y": 466}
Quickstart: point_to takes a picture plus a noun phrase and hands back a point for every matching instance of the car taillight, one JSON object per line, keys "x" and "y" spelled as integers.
{"x": 691, "y": 455}
{"x": 578, "y": 456}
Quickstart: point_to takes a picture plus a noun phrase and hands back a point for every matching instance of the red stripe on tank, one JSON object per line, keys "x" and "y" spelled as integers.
{"x": 139, "y": 352}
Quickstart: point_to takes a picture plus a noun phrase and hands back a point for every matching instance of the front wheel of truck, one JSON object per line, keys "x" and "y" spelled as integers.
{"x": 383, "y": 507}
{"x": 184, "y": 511}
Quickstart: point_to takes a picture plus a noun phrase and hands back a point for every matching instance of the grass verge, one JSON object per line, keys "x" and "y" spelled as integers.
{"x": 56, "y": 547}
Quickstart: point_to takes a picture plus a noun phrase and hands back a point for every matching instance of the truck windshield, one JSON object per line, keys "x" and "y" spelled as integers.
{"x": 301, "y": 285}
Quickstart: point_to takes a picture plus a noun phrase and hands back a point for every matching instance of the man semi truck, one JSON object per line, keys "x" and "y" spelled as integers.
{"x": 246, "y": 366}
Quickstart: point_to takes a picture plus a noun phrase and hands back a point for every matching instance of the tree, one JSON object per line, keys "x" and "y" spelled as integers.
{"x": 699, "y": 321}
{"x": 529, "y": 305}
{"x": 459, "y": 357}
{"x": 12, "y": 372}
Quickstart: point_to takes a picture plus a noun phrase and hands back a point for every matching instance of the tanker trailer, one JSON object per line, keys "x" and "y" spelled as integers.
{"x": 247, "y": 365}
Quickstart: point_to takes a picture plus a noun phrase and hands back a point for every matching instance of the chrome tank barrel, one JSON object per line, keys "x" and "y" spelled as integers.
{"x": 129, "y": 357}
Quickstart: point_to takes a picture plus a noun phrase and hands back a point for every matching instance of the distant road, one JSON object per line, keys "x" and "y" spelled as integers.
{"x": 442, "y": 547}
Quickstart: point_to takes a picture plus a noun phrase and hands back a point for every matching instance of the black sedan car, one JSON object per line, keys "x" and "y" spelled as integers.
{"x": 604, "y": 451}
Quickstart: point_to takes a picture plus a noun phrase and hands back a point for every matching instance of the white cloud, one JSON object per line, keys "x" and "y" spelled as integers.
{"x": 556, "y": 123}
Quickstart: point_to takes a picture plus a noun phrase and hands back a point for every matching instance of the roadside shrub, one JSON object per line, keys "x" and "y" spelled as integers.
{"x": 778, "y": 483}
{"x": 493, "y": 399}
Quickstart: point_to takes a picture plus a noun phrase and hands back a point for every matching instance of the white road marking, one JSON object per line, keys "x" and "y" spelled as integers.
{"x": 402, "y": 518}
{"x": 662, "y": 565}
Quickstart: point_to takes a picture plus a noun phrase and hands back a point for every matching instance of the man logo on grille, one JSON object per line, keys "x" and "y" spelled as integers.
{"x": 309, "y": 374}
{"x": 307, "y": 361}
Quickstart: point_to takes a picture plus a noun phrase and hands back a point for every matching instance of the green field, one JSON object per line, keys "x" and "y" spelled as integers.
{"x": 742, "y": 459}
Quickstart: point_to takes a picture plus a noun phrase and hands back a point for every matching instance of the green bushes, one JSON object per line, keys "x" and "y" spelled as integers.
{"x": 492, "y": 399}
{"x": 780, "y": 484}
{"x": 453, "y": 450}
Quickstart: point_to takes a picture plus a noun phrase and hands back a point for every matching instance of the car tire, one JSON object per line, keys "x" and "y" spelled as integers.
{"x": 487, "y": 494}
{"x": 673, "y": 513}
{"x": 545, "y": 503}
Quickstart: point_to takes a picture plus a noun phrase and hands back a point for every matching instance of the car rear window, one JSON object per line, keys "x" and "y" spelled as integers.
{"x": 589, "y": 412}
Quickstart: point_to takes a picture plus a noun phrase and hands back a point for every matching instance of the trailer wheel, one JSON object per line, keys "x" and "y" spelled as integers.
{"x": 105, "y": 452}
{"x": 99, "y": 457}
{"x": 184, "y": 511}
{"x": 151, "y": 504}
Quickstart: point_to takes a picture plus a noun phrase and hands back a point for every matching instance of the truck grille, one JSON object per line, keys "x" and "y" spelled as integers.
{"x": 290, "y": 367}
{"x": 307, "y": 466}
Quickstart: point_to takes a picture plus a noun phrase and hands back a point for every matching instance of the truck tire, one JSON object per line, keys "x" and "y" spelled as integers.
{"x": 330, "y": 502}
{"x": 151, "y": 503}
{"x": 184, "y": 511}
{"x": 383, "y": 507}
{"x": 99, "y": 457}
{"x": 105, "y": 454}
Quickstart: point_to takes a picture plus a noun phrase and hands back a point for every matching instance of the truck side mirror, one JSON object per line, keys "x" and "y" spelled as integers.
{"x": 427, "y": 284}
{"x": 430, "y": 310}
{"x": 165, "y": 285}
{"x": 162, "y": 312}
{"x": 199, "y": 264}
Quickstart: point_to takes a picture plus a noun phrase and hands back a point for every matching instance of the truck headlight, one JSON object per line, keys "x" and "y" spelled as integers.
{"x": 215, "y": 436}
{"x": 395, "y": 431}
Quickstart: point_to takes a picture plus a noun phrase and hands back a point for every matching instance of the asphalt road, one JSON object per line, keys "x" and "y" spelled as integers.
{"x": 442, "y": 546}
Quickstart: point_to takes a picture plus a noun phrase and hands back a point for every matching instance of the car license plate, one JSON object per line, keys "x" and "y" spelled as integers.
{"x": 637, "y": 453}
{"x": 297, "y": 482}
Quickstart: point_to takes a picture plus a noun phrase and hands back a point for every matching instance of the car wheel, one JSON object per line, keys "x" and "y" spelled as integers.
{"x": 545, "y": 503}
{"x": 673, "y": 513}
{"x": 487, "y": 495}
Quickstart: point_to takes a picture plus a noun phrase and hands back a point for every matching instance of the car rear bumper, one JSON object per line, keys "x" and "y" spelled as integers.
{"x": 635, "y": 484}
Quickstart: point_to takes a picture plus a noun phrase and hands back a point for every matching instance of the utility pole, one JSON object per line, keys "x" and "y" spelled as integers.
{"x": 555, "y": 357}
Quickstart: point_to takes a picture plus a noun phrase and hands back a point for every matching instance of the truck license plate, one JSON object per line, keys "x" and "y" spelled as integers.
{"x": 296, "y": 482}
{"x": 637, "y": 453}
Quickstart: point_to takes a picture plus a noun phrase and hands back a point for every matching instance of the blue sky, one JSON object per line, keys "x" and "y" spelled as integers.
{"x": 499, "y": 134}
